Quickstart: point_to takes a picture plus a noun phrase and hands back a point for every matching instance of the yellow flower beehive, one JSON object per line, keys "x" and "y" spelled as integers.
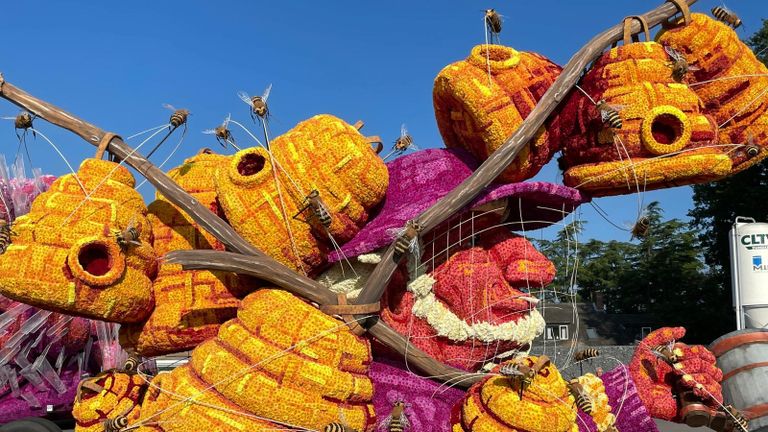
{"x": 664, "y": 140}
{"x": 322, "y": 154}
{"x": 730, "y": 81}
{"x": 189, "y": 305}
{"x": 494, "y": 404}
{"x": 65, "y": 254}
{"x": 479, "y": 102}
{"x": 280, "y": 359}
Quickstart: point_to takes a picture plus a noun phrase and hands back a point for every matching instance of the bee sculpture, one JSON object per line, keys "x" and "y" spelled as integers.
{"x": 408, "y": 238}
{"x": 641, "y": 227}
{"x": 318, "y": 207}
{"x": 752, "y": 149}
{"x": 609, "y": 114}
{"x": 397, "y": 421}
{"x": 179, "y": 116}
{"x": 116, "y": 424}
{"x": 223, "y": 134}
{"x": 258, "y": 104}
{"x": 727, "y": 16}
{"x": 666, "y": 352}
{"x": 402, "y": 143}
{"x": 521, "y": 374}
{"x": 493, "y": 24}
{"x": 679, "y": 64}
{"x": 585, "y": 354}
{"x": 5, "y": 235}
{"x": 338, "y": 427}
{"x": 738, "y": 418}
{"x": 22, "y": 122}
{"x": 129, "y": 236}
{"x": 583, "y": 399}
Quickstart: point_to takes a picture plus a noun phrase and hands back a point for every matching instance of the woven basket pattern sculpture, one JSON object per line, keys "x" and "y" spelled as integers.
{"x": 322, "y": 154}
{"x": 479, "y": 102}
{"x": 494, "y": 405}
{"x": 730, "y": 81}
{"x": 189, "y": 305}
{"x": 280, "y": 359}
{"x": 73, "y": 264}
{"x": 662, "y": 127}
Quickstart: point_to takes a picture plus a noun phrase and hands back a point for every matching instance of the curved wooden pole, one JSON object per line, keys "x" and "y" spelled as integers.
{"x": 173, "y": 192}
{"x": 270, "y": 270}
{"x": 506, "y": 154}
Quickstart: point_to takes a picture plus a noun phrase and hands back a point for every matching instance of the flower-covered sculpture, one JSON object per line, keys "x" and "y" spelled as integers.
{"x": 280, "y": 359}
{"x": 479, "y": 102}
{"x": 65, "y": 254}
{"x": 663, "y": 382}
{"x": 469, "y": 308}
{"x": 664, "y": 138}
{"x": 189, "y": 305}
{"x": 323, "y": 159}
{"x": 730, "y": 81}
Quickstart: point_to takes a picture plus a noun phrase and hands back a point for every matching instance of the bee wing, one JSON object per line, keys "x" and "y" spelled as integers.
{"x": 227, "y": 119}
{"x": 404, "y": 422}
{"x": 8, "y": 118}
{"x": 245, "y": 98}
{"x": 394, "y": 232}
{"x": 403, "y": 130}
{"x": 693, "y": 68}
{"x": 209, "y": 131}
{"x": 266, "y": 93}
{"x": 414, "y": 147}
{"x": 385, "y": 423}
{"x": 169, "y": 106}
{"x": 725, "y": 8}
{"x": 673, "y": 53}
{"x": 604, "y": 114}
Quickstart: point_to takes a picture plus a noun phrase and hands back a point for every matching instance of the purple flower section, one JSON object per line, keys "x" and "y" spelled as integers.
{"x": 631, "y": 414}
{"x": 32, "y": 402}
{"x": 420, "y": 179}
{"x": 430, "y": 405}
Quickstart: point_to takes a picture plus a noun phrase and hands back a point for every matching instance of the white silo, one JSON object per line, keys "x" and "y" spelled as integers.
{"x": 749, "y": 272}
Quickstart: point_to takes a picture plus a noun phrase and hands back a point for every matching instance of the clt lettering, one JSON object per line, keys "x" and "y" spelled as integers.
{"x": 754, "y": 239}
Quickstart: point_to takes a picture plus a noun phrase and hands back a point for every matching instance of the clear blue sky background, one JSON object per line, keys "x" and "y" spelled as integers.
{"x": 115, "y": 63}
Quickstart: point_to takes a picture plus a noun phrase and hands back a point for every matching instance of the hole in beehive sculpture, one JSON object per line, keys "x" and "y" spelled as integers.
{"x": 95, "y": 259}
{"x": 666, "y": 129}
{"x": 250, "y": 164}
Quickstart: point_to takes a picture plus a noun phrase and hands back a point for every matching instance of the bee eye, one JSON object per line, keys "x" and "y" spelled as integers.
{"x": 752, "y": 151}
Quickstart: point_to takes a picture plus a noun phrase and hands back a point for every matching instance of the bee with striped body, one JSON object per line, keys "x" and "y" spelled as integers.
{"x": 338, "y": 427}
{"x": 585, "y": 354}
{"x": 397, "y": 421}
{"x": 738, "y": 418}
{"x": 583, "y": 399}
{"x": 402, "y": 143}
{"x": 641, "y": 227}
{"x": 318, "y": 207}
{"x": 258, "y": 104}
{"x": 666, "y": 353}
{"x": 727, "y": 16}
{"x": 492, "y": 24}
{"x": 22, "y": 122}
{"x": 129, "y": 236}
{"x": 131, "y": 364}
{"x": 179, "y": 116}
{"x": 609, "y": 115}
{"x": 521, "y": 374}
{"x": 752, "y": 149}
{"x": 407, "y": 239}
{"x": 5, "y": 235}
{"x": 223, "y": 134}
{"x": 679, "y": 64}
{"x": 116, "y": 424}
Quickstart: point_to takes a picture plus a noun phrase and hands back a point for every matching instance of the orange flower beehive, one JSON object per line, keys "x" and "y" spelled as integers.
{"x": 322, "y": 154}
{"x": 730, "y": 81}
{"x": 65, "y": 255}
{"x": 663, "y": 133}
{"x": 189, "y": 305}
{"x": 479, "y": 102}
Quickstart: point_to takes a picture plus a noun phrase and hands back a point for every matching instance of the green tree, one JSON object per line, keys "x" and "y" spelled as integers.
{"x": 716, "y": 206}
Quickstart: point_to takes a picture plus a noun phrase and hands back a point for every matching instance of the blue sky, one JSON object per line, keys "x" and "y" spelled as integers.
{"x": 115, "y": 63}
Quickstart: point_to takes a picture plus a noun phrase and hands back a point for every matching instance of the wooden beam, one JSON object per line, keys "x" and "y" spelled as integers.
{"x": 506, "y": 154}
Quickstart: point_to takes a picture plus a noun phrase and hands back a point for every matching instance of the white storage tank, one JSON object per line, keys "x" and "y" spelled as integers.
{"x": 749, "y": 272}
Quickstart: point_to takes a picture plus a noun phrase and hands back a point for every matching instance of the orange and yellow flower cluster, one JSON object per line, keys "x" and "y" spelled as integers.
{"x": 479, "y": 102}
{"x": 65, "y": 254}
